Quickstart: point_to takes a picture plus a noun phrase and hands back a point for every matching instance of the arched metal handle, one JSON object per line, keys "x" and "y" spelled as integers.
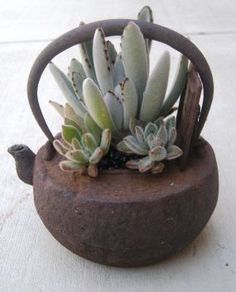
{"x": 115, "y": 27}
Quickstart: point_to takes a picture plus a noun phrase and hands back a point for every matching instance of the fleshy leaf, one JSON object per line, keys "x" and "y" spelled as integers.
{"x": 173, "y": 152}
{"x": 112, "y": 53}
{"x": 118, "y": 70}
{"x": 177, "y": 88}
{"x": 134, "y": 146}
{"x": 140, "y": 136}
{"x": 71, "y": 115}
{"x": 71, "y": 166}
{"x": 101, "y": 60}
{"x": 76, "y": 144}
{"x": 157, "y": 168}
{"x": 96, "y": 105}
{"x": 58, "y": 107}
{"x": 76, "y": 67}
{"x": 121, "y": 146}
{"x": 67, "y": 89}
{"x": 69, "y": 132}
{"x": 92, "y": 127}
{"x": 158, "y": 153}
{"x": 135, "y": 58}
{"x": 96, "y": 156}
{"x": 162, "y": 134}
{"x": 105, "y": 141}
{"x": 132, "y": 164}
{"x": 155, "y": 90}
{"x": 115, "y": 108}
{"x": 77, "y": 156}
{"x": 145, "y": 164}
{"x": 89, "y": 142}
{"x": 146, "y": 15}
{"x": 93, "y": 170}
{"x": 60, "y": 147}
{"x": 150, "y": 128}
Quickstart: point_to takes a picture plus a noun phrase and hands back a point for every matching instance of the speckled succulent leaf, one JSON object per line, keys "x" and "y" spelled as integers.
{"x": 92, "y": 127}
{"x": 76, "y": 67}
{"x": 77, "y": 83}
{"x": 132, "y": 143}
{"x": 158, "y": 168}
{"x": 70, "y": 115}
{"x": 155, "y": 90}
{"x": 67, "y": 89}
{"x": 87, "y": 61}
{"x": 118, "y": 70}
{"x": 177, "y": 88}
{"x": 132, "y": 164}
{"x": 96, "y": 156}
{"x": 58, "y": 107}
{"x": 105, "y": 141}
{"x": 96, "y": 105}
{"x": 76, "y": 144}
{"x": 146, "y": 14}
{"x": 134, "y": 56}
{"x": 89, "y": 142}
{"x": 92, "y": 170}
{"x": 173, "y": 152}
{"x": 60, "y": 147}
{"x": 71, "y": 166}
{"x": 69, "y": 132}
{"x": 129, "y": 99}
{"x": 163, "y": 134}
{"x": 112, "y": 53}
{"x": 150, "y": 128}
{"x": 157, "y": 153}
{"x": 78, "y": 156}
{"x": 101, "y": 60}
{"x": 115, "y": 108}
{"x": 121, "y": 146}
{"x": 145, "y": 164}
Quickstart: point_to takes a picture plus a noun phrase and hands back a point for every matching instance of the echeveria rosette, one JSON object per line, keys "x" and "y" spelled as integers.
{"x": 155, "y": 143}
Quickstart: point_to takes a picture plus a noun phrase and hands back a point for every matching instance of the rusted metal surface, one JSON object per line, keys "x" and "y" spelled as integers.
{"x": 124, "y": 218}
{"x": 115, "y": 27}
{"x": 188, "y": 115}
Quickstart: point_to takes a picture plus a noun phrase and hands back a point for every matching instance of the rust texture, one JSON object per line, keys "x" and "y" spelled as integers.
{"x": 124, "y": 218}
{"x": 188, "y": 115}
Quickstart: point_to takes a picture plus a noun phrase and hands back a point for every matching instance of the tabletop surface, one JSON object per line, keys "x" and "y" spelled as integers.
{"x": 30, "y": 258}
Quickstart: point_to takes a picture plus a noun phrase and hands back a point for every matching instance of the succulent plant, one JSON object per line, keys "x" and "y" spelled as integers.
{"x": 155, "y": 142}
{"x": 82, "y": 151}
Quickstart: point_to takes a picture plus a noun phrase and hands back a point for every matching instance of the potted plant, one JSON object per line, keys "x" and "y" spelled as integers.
{"x": 127, "y": 184}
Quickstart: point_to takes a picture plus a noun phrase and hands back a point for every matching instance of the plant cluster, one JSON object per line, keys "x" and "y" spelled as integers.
{"x": 114, "y": 100}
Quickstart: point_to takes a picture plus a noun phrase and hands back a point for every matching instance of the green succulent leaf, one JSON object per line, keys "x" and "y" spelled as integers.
{"x": 76, "y": 144}
{"x": 71, "y": 166}
{"x": 135, "y": 58}
{"x": 173, "y": 152}
{"x": 58, "y": 107}
{"x": 172, "y": 134}
{"x": 162, "y": 134}
{"x": 96, "y": 156}
{"x": 132, "y": 144}
{"x": 92, "y": 127}
{"x": 96, "y": 105}
{"x": 158, "y": 153}
{"x": 140, "y": 136}
{"x": 67, "y": 89}
{"x": 112, "y": 53}
{"x": 177, "y": 88}
{"x": 146, "y": 15}
{"x": 155, "y": 90}
{"x": 89, "y": 142}
{"x": 150, "y": 128}
{"x": 76, "y": 67}
{"x": 145, "y": 164}
{"x": 105, "y": 141}
{"x": 69, "y": 132}
{"x": 70, "y": 115}
{"x": 60, "y": 147}
{"x": 93, "y": 170}
{"x": 115, "y": 108}
{"x": 78, "y": 156}
{"x": 102, "y": 63}
{"x": 118, "y": 70}
{"x": 121, "y": 146}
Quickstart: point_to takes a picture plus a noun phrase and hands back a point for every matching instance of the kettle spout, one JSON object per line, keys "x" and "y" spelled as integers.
{"x": 24, "y": 159}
